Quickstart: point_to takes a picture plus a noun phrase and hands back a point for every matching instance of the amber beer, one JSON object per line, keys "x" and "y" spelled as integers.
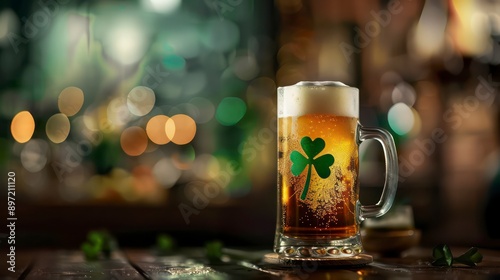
{"x": 328, "y": 211}
{"x": 318, "y": 193}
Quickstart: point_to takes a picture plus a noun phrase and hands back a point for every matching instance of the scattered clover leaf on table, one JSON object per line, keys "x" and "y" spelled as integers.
{"x": 442, "y": 256}
{"x": 99, "y": 242}
{"x": 321, "y": 164}
{"x": 213, "y": 250}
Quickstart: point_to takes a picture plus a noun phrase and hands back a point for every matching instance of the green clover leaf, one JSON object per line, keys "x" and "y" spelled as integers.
{"x": 442, "y": 256}
{"x": 471, "y": 258}
{"x": 321, "y": 164}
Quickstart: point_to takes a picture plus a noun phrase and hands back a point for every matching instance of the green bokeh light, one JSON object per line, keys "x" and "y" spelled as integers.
{"x": 174, "y": 62}
{"x": 401, "y": 118}
{"x": 220, "y": 35}
{"x": 230, "y": 111}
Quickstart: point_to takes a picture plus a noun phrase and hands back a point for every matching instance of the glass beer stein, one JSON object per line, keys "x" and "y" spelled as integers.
{"x": 318, "y": 191}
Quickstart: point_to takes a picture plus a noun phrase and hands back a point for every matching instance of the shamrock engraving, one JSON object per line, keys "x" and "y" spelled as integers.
{"x": 321, "y": 164}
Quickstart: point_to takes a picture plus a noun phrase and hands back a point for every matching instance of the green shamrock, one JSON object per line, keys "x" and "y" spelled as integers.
{"x": 321, "y": 164}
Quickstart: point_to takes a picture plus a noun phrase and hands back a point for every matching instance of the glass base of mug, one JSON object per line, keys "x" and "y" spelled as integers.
{"x": 290, "y": 247}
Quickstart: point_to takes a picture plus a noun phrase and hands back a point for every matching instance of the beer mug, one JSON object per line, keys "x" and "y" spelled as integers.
{"x": 318, "y": 190}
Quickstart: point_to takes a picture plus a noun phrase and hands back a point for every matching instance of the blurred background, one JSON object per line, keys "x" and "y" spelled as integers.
{"x": 158, "y": 116}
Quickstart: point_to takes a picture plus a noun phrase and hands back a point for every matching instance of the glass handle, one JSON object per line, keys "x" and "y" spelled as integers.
{"x": 391, "y": 171}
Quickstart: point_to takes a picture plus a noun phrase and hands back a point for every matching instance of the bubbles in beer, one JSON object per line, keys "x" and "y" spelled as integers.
{"x": 329, "y": 207}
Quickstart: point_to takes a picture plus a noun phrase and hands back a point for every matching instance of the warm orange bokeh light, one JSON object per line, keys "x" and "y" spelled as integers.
{"x": 22, "y": 127}
{"x": 134, "y": 141}
{"x": 181, "y": 129}
{"x": 143, "y": 180}
{"x": 156, "y": 130}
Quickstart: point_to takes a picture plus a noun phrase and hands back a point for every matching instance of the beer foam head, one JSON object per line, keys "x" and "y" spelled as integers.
{"x": 305, "y": 98}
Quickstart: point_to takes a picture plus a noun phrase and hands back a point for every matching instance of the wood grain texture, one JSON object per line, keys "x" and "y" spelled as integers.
{"x": 52, "y": 265}
{"x": 191, "y": 264}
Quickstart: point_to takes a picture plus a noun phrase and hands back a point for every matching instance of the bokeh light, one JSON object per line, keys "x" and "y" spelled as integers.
{"x": 8, "y": 23}
{"x": 166, "y": 173}
{"x": 245, "y": 66}
{"x": 22, "y": 127}
{"x": 429, "y": 34}
{"x": 123, "y": 184}
{"x": 134, "y": 141}
{"x": 96, "y": 186}
{"x": 141, "y": 100}
{"x": 206, "y": 167}
{"x": 162, "y": 6}
{"x": 90, "y": 119}
{"x": 417, "y": 123}
{"x": 471, "y": 28}
{"x": 205, "y": 108}
{"x": 185, "y": 42}
{"x": 221, "y": 35}
{"x": 57, "y": 128}
{"x": 77, "y": 27}
{"x": 230, "y": 111}
{"x": 144, "y": 183}
{"x": 155, "y": 129}
{"x": 404, "y": 93}
{"x": 390, "y": 78}
{"x": 118, "y": 183}
{"x": 174, "y": 62}
{"x": 181, "y": 129}
{"x": 125, "y": 41}
{"x": 401, "y": 118}
{"x": 70, "y": 101}
{"x": 34, "y": 155}
{"x": 4, "y": 23}
{"x": 117, "y": 113}
{"x": 80, "y": 130}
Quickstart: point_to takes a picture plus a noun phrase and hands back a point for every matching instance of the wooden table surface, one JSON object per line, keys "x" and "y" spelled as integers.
{"x": 191, "y": 264}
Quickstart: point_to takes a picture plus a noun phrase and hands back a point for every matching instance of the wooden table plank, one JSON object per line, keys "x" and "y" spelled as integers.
{"x": 415, "y": 264}
{"x": 52, "y": 265}
{"x": 192, "y": 264}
